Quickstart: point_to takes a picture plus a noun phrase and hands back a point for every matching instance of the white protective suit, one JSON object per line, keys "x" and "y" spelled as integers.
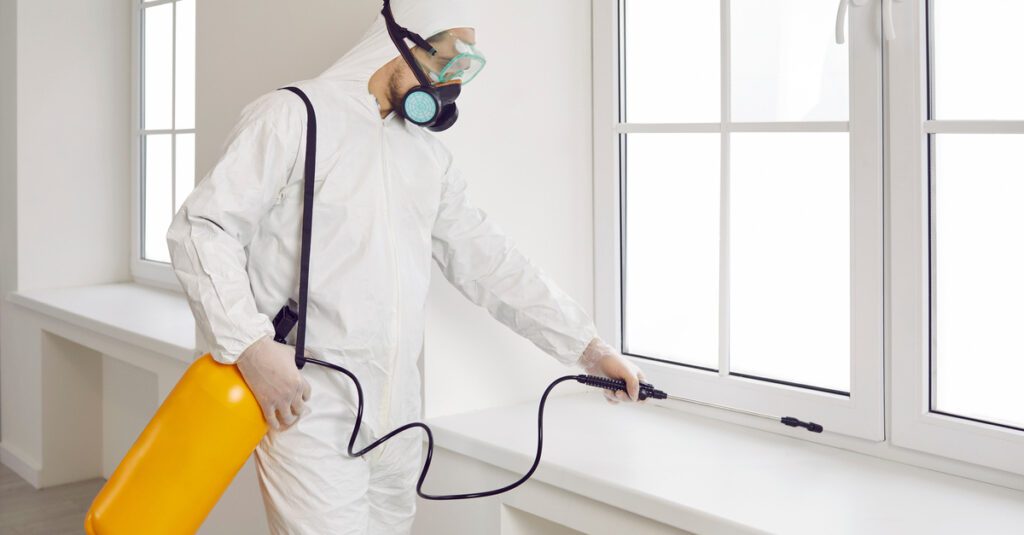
{"x": 387, "y": 198}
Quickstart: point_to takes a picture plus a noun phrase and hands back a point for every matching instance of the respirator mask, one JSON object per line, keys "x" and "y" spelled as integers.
{"x": 442, "y": 64}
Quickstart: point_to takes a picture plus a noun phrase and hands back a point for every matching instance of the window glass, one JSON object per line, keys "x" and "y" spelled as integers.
{"x": 157, "y": 212}
{"x": 185, "y": 65}
{"x": 786, "y": 65}
{"x": 672, "y": 61}
{"x": 976, "y": 59}
{"x": 672, "y": 243}
{"x": 184, "y": 167}
{"x": 978, "y": 259}
{"x": 157, "y": 66}
{"x": 790, "y": 257}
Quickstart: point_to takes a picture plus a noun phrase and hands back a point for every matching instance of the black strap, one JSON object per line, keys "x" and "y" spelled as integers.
{"x": 398, "y": 34}
{"x": 307, "y": 226}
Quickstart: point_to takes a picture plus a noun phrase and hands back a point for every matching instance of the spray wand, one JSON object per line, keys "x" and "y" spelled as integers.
{"x": 647, "y": 390}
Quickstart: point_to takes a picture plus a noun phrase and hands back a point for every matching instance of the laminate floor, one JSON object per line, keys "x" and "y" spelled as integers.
{"x": 52, "y": 511}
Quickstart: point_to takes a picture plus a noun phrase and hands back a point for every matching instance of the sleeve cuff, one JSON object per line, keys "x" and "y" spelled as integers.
{"x": 582, "y": 342}
{"x": 229, "y": 353}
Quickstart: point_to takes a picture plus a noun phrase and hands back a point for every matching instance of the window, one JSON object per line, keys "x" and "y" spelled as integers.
{"x": 740, "y": 224}
{"x": 166, "y": 124}
{"x": 958, "y": 130}
{"x": 747, "y": 145}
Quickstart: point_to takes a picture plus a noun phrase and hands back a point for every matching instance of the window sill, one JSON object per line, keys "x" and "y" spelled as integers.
{"x": 151, "y": 318}
{"x": 64, "y": 345}
{"x": 699, "y": 474}
{"x": 680, "y": 469}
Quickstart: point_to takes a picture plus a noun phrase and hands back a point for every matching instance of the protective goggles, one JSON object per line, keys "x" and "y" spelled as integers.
{"x": 454, "y": 59}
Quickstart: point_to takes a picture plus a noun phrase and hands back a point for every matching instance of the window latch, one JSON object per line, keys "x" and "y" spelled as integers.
{"x": 889, "y": 26}
{"x": 841, "y": 18}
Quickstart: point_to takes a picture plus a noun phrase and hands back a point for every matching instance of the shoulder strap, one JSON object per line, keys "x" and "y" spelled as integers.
{"x": 307, "y": 226}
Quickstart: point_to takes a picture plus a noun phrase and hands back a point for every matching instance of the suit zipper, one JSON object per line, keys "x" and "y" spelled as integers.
{"x": 385, "y": 413}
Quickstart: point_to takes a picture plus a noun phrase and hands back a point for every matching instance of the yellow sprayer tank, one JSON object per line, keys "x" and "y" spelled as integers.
{"x": 184, "y": 459}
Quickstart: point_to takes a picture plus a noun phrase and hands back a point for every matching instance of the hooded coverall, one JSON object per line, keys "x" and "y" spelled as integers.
{"x": 388, "y": 198}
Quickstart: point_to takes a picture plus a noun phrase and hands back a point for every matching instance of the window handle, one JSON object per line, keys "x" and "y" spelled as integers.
{"x": 841, "y": 18}
{"x": 889, "y": 25}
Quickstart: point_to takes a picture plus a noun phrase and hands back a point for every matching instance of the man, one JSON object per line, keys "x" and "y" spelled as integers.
{"x": 388, "y": 198}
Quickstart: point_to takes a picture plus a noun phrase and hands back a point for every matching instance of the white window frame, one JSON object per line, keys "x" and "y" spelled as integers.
{"x": 145, "y": 271}
{"x": 861, "y": 413}
{"x": 913, "y": 424}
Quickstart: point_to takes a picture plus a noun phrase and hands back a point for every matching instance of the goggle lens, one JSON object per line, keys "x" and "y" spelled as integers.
{"x": 463, "y": 67}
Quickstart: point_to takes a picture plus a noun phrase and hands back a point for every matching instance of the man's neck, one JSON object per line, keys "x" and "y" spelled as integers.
{"x": 378, "y": 87}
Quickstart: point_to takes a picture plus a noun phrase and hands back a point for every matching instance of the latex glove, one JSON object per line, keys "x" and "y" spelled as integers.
{"x": 602, "y": 359}
{"x": 269, "y": 369}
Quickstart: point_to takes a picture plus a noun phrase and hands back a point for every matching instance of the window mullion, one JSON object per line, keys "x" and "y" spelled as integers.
{"x": 973, "y": 127}
{"x": 168, "y": 131}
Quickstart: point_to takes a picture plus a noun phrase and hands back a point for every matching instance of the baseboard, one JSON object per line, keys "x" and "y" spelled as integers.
{"x": 21, "y": 464}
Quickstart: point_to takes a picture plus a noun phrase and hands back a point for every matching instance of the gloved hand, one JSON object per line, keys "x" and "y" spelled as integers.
{"x": 602, "y": 359}
{"x": 269, "y": 369}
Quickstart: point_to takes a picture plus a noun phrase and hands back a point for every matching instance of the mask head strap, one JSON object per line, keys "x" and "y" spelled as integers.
{"x": 398, "y": 35}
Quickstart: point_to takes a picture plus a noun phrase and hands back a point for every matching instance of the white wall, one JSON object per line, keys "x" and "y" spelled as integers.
{"x": 523, "y": 140}
{"x": 64, "y": 173}
{"x": 73, "y": 142}
{"x": 8, "y": 148}
{"x": 245, "y": 48}
{"x": 8, "y": 141}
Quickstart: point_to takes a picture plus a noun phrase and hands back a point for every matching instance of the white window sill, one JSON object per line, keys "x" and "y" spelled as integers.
{"x": 155, "y": 319}
{"x": 694, "y": 473}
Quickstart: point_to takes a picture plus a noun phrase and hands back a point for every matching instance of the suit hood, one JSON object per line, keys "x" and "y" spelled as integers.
{"x": 425, "y": 17}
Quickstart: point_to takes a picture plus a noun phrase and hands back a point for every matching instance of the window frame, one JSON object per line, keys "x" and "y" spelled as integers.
{"x": 145, "y": 271}
{"x": 860, "y": 414}
{"x": 914, "y": 424}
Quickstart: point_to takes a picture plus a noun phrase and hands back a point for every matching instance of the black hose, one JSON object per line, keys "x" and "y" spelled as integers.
{"x": 430, "y": 438}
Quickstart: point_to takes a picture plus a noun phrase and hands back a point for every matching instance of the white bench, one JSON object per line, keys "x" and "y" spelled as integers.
{"x": 90, "y": 366}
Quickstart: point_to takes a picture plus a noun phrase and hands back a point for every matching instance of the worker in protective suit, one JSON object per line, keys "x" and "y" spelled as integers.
{"x": 388, "y": 198}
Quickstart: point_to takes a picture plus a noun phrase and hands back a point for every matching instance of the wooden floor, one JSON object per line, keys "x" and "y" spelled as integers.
{"x": 53, "y": 511}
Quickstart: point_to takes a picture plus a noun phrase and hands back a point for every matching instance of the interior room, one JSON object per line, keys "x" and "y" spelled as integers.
{"x": 511, "y": 267}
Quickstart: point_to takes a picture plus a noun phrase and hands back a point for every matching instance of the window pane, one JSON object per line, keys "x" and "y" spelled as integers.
{"x": 185, "y": 65}
{"x": 672, "y": 61}
{"x": 979, "y": 276}
{"x": 977, "y": 59}
{"x": 157, "y": 67}
{"x": 157, "y": 185}
{"x": 184, "y": 167}
{"x": 790, "y": 257}
{"x": 786, "y": 65}
{"x": 672, "y": 247}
